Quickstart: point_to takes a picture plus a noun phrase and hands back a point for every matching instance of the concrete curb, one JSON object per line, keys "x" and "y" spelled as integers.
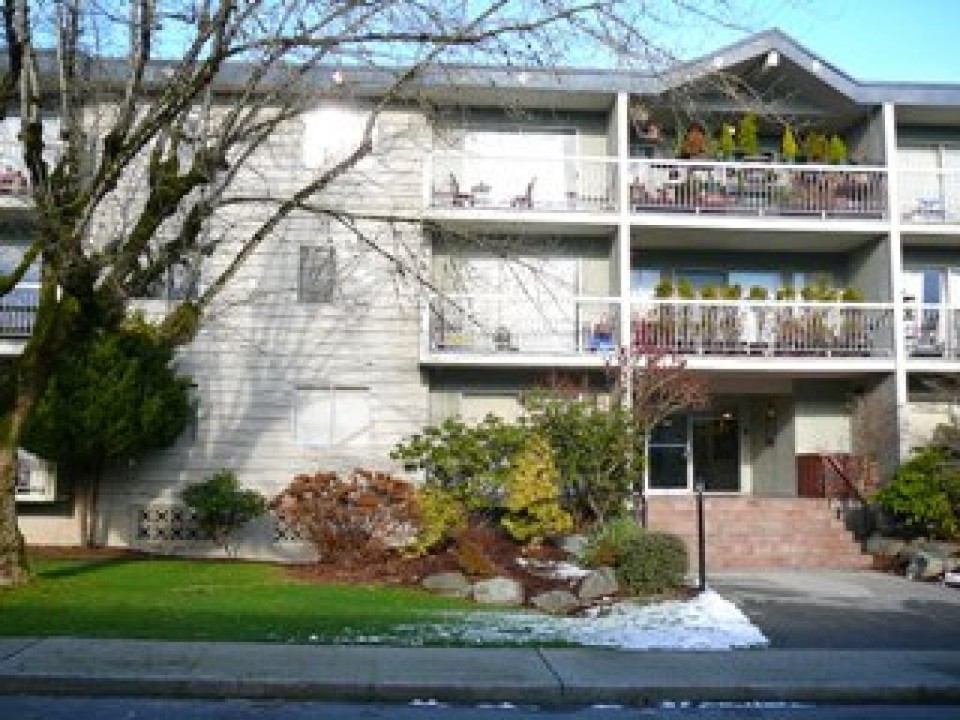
{"x": 64, "y": 666}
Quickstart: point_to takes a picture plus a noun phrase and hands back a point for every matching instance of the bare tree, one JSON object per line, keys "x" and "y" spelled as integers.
{"x": 138, "y": 120}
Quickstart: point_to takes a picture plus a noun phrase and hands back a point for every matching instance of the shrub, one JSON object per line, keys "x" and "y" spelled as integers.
{"x": 747, "y": 134}
{"x": 471, "y": 553}
{"x": 925, "y": 493}
{"x": 472, "y": 462}
{"x": 606, "y": 544}
{"x": 356, "y": 518}
{"x": 442, "y": 517}
{"x": 652, "y": 562}
{"x": 533, "y": 495}
{"x": 221, "y": 506}
{"x": 591, "y": 450}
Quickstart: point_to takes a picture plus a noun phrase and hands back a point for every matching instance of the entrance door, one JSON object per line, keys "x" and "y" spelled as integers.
{"x": 716, "y": 450}
{"x": 687, "y": 449}
{"x": 668, "y": 455}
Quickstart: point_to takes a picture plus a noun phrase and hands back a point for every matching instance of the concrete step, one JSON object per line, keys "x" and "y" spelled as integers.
{"x": 758, "y": 533}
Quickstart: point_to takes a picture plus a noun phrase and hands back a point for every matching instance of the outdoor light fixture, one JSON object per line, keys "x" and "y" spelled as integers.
{"x": 337, "y": 77}
{"x": 772, "y": 60}
{"x": 770, "y": 425}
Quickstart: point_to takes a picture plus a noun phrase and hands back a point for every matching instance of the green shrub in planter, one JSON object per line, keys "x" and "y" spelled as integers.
{"x": 607, "y": 543}
{"x": 925, "y": 494}
{"x": 221, "y": 505}
{"x": 652, "y": 562}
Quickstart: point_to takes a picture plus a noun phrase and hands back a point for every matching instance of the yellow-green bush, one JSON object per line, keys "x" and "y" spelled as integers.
{"x": 441, "y": 516}
{"x": 532, "y": 500}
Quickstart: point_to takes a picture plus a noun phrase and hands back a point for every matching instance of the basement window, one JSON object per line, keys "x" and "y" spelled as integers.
{"x": 36, "y": 478}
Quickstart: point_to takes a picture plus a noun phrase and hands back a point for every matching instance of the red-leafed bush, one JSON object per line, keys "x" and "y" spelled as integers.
{"x": 354, "y": 518}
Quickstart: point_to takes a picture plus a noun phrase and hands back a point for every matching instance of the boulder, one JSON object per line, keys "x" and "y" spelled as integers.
{"x": 884, "y": 545}
{"x": 555, "y": 602}
{"x": 498, "y": 591}
{"x": 449, "y": 584}
{"x": 600, "y": 583}
{"x": 573, "y": 544}
{"x": 924, "y": 565}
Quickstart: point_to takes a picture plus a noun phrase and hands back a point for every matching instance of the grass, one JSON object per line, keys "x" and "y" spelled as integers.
{"x": 185, "y": 600}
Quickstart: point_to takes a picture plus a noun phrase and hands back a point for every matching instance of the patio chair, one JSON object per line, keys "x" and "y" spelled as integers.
{"x": 457, "y": 197}
{"x": 525, "y": 200}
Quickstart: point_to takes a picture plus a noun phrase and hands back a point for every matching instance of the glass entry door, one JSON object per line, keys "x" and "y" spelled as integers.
{"x": 700, "y": 447}
{"x": 668, "y": 452}
{"x": 716, "y": 451}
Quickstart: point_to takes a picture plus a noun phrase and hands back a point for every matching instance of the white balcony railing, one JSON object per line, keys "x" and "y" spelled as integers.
{"x": 930, "y": 196}
{"x": 558, "y": 184}
{"x": 18, "y": 310}
{"x": 497, "y": 325}
{"x": 758, "y": 188}
{"x": 932, "y": 331}
{"x": 745, "y": 327}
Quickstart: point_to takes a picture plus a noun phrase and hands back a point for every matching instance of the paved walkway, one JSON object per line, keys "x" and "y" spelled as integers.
{"x": 560, "y": 676}
{"x": 846, "y": 610}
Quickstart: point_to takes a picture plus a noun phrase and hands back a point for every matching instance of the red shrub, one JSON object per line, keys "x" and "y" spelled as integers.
{"x": 359, "y": 517}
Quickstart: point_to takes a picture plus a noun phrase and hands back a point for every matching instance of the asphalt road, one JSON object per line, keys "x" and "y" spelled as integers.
{"x": 40, "y": 708}
{"x": 833, "y": 610}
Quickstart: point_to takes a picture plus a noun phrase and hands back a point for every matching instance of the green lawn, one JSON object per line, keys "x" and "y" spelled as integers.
{"x": 184, "y": 600}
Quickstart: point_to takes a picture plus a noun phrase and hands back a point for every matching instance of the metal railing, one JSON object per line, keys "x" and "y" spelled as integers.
{"x": 497, "y": 325}
{"x": 746, "y": 327}
{"x": 932, "y": 331}
{"x": 553, "y": 184}
{"x": 929, "y": 196}
{"x": 18, "y": 310}
{"x": 758, "y": 188}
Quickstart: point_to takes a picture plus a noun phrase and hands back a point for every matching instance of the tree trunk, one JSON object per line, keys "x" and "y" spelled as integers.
{"x": 13, "y": 557}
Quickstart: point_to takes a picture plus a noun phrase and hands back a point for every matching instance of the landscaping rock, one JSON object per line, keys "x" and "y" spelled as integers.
{"x": 600, "y": 583}
{"x": 924, "y": 566}
{"x": 555, "y": 602}
{"x": 450, "y": 584}
{"x": 498, "y": 591}
{"x": 573, "y": 544}
{"x": 883, "y": 545}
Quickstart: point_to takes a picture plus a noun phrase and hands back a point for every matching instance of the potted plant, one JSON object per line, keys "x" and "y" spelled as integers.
{"x": 788, "y": 145}
{"x": 837, "y": 151}
{"x": 694, "y": 142}
{"x": 726, "y": 144}
{"x": 787, "y": 292}
{"x": 709, "y": 292}
{"x": 815, "y": 147}
{"x": 663, "y": 289}
{"x": 748, "y": 135}
{"x": 854, "y": 330}
{"x": 758, "y": 293}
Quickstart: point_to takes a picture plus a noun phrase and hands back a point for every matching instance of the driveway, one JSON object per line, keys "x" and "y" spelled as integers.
{"x": 846, "y": 609}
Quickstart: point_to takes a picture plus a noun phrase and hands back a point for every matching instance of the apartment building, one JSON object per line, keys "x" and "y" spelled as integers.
{"x": 560, "y": 216}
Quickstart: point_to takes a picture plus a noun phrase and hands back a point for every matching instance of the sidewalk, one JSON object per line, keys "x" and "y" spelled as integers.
{"x": 71, "y": 666}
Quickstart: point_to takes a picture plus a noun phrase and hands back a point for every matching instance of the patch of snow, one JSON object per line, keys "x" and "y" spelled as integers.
{"x": 554, "y": 570}
{"x": 706, "y": 622}
{"x": 417, "y": 702}
{"x": 497, "y": 706}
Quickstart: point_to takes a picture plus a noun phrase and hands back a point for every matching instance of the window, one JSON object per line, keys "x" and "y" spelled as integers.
{"x": 332, "y": 416}
{"x": 330, "y": 134}
{"x": 36, "y": 478}
{"x": 474, "y": 407}
{"x": 317, "y": 275}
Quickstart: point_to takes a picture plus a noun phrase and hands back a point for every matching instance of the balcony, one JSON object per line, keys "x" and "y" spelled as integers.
{"x": 758, "y": 189}
{"x": 16, "y": 190}
{"x": 932, "y": 331}
{"x": 930, "y": 196}
{"x": 18, "y": 311}
{"x": 765, "y": 329}
{"x": 522, "y": 184}
{"x": 512, "y": 331}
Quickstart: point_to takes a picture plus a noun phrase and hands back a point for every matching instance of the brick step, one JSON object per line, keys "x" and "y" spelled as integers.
{"x": 788, "y": 562}
{"x": 766, "y": 528}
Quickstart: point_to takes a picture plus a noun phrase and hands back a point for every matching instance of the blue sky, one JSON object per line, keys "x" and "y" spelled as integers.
{"x": 914, "y": 40}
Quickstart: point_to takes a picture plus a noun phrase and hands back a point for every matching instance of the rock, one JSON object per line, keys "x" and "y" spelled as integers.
{"x": 555, "y": 602}
{"x": 450, "y": 584}
{"x": 498, "y": 591}
{"x": 878, "y": 544}
{"x": 939, "y": 549}
{"x": 924, "y": 566}
{"x": 573, "y": 544}
{"x": 600, "y": 583}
